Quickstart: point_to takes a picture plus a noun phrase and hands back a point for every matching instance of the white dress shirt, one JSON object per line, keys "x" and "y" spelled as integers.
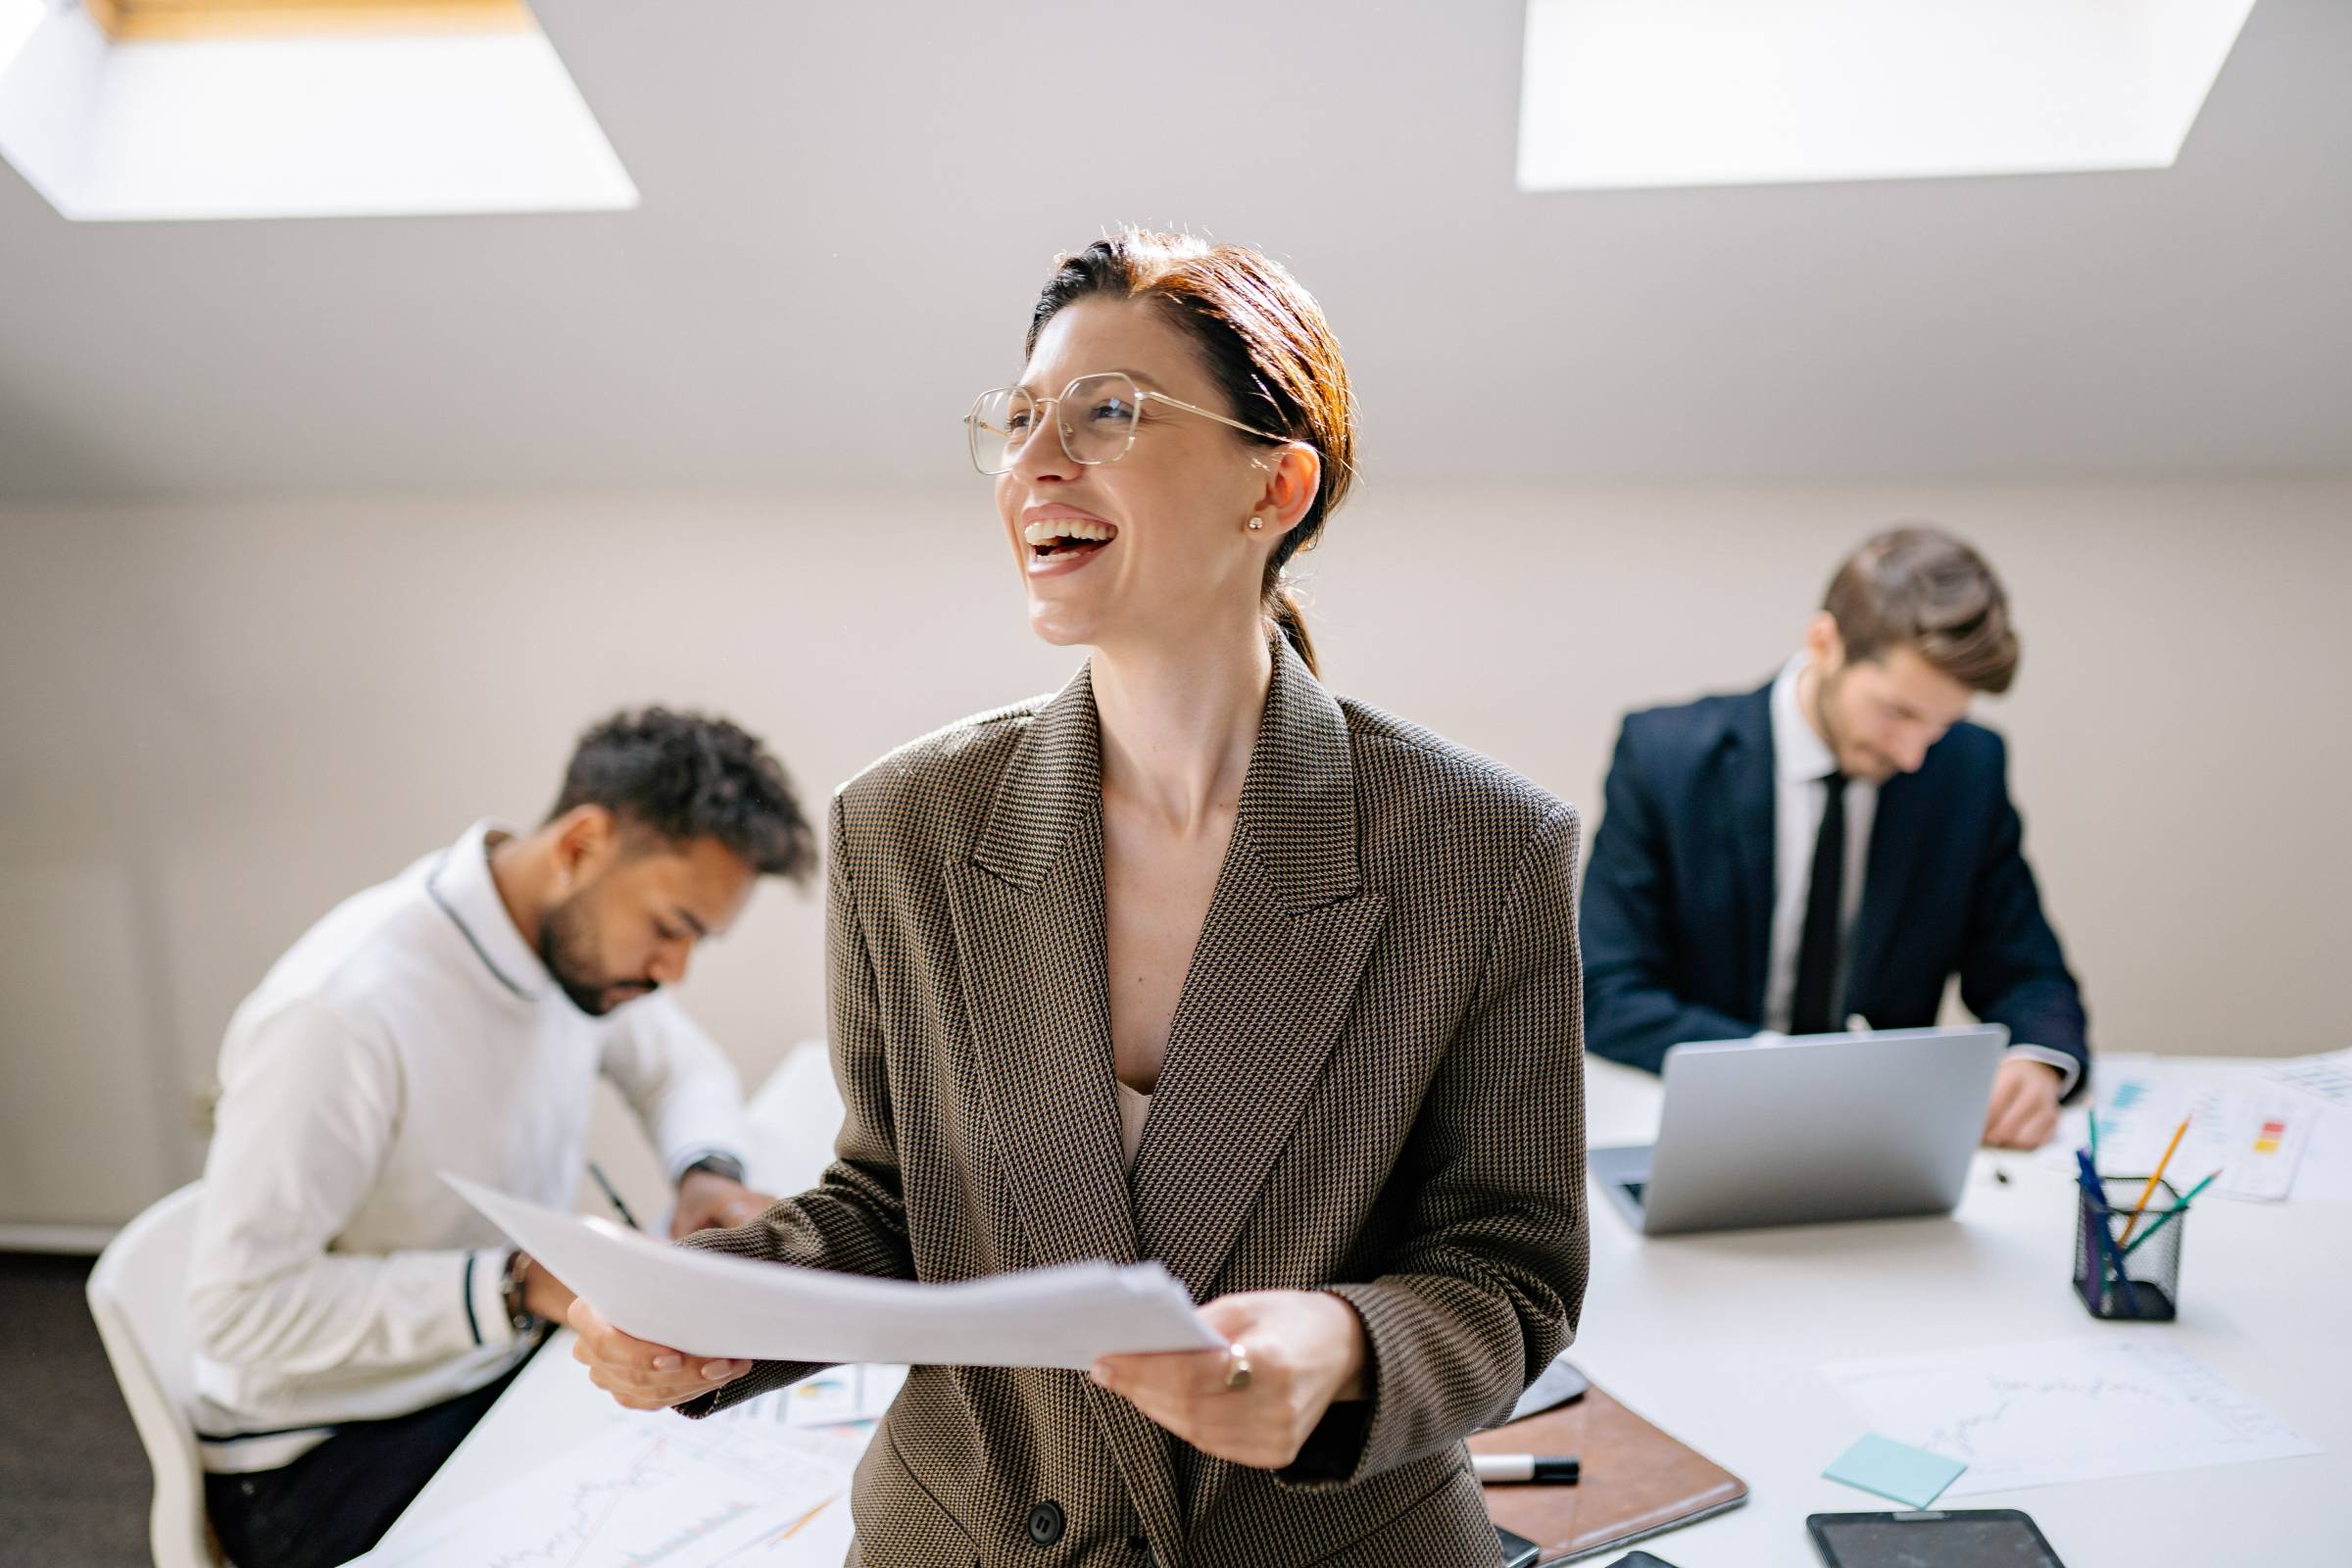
{"x": 335, "y": 1276}
{"x": 1802, "y": 763}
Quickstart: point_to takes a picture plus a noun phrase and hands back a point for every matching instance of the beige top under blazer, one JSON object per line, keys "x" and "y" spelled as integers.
{"x": 1373, "y": 1084}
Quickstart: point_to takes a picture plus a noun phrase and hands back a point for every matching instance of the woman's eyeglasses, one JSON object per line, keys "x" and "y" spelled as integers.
{"x": 1094, "y": 416}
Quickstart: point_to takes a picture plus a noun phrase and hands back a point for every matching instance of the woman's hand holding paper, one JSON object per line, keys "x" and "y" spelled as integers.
{"x": 640, "y": 1374}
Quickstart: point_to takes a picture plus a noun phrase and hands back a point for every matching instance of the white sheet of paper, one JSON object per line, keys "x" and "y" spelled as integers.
{"x": 2046, "y": 1411}
{"x": 2253, "y": 1131}
{"x": 655, "y": 1488}
{"x": 859, "y": 1393}
{"x": 2327, "y": 1076}
{"x": 2325, "y": 1174}
{"x": 711, "y": 1305}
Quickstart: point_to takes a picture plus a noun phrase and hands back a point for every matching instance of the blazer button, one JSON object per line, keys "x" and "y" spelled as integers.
{"x": 1046, "y": 1523}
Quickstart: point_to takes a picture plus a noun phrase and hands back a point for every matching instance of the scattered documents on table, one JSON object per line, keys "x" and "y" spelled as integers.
{"x": 1896, "y": 1470}
{"x": 839, "y": 1396}
{"x": 2253, "y": 1131}
{"x": 2045, "y": 1412}
{"x": 2329, "y": 1076}
{"x": 710, "y": 1305}
{"x": 2325, "y": 1174}
{"x": 656, "y": 1488}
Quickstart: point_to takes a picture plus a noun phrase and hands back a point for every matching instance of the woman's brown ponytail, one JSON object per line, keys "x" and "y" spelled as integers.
{"x": 1289, "y": 618}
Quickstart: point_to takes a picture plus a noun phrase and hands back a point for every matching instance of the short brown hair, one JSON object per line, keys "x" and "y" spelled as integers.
{"x": 1263, "y": 339}
{"x": 1923, "y": 588}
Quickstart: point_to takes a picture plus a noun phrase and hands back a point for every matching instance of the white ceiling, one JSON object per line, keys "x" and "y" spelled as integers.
{"x": 848, "y": 208}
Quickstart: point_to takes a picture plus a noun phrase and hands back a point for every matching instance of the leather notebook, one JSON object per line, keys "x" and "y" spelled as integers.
{"x": 1637, "y": 1480}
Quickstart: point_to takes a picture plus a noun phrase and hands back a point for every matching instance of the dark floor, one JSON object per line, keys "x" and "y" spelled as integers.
{"x": 73, "y": 1481}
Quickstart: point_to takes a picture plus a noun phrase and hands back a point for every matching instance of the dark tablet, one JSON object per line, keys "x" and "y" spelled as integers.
{"x": 1972, "y": 1537}
{"x": 1517, "y": 1550}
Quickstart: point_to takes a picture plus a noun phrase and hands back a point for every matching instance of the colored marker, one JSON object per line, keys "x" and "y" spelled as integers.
{"x": 2100, "y": 1217}
{"x": 2157, "y": 1224}
{"x": 1505, "y": 1469}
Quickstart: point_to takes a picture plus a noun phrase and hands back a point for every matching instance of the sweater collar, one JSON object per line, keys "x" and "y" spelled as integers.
{"x": 461, "y": 883}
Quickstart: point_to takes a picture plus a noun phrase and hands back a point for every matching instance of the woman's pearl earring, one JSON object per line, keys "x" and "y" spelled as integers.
{"x": 1257, "y": 522}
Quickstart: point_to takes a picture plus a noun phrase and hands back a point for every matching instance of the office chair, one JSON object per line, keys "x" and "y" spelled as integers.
{"x": 138, "y": 1294}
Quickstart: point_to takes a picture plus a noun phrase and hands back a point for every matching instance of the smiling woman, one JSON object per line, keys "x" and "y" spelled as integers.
{"x": 1257, "y": 339}
{"x": 1199, "y": 963}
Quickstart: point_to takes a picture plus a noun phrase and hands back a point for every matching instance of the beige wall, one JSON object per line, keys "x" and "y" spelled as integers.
{"x": 220, "y": 719}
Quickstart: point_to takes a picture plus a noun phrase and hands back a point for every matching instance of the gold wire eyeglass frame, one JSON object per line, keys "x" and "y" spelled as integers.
{"x": 974, "y": 426}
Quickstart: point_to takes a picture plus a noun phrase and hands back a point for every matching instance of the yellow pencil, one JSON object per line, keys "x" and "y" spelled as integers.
{"x": 2149, "y": 1191}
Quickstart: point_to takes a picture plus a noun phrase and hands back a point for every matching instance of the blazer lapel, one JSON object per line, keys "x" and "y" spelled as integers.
{"x": 1272, "y": 981}
{"x": 1748, "y": 765}
{"x": 1029, "y": 936}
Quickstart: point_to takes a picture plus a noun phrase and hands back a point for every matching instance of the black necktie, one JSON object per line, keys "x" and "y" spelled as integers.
{"x": 1817, "y": 951}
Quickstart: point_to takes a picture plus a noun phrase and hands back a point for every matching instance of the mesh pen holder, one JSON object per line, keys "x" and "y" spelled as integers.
{"x": 2149, "y": 1290}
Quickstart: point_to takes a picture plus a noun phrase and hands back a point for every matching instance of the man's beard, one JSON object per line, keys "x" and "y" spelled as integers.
{"x": 1825, "y": 709}
{"x": 567, "y": 938}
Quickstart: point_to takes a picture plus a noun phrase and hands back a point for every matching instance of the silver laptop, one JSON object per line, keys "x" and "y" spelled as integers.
{"x": 1811, "y": 1128}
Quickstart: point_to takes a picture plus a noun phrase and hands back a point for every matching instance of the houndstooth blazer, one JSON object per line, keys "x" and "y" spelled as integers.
{"x": 1373, "y": 1084}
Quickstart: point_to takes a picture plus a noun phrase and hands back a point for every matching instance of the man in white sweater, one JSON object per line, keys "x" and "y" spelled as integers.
{"x": 352, "y": 1317}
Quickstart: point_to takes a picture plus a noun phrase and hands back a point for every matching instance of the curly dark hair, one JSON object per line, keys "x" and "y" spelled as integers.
{"x": 686, "y": 776}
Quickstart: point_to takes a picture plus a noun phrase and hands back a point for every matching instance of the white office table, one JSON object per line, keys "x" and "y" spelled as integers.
{"x": 1718, "y": 1338}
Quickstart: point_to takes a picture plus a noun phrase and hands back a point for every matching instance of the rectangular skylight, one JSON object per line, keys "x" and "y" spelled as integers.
{"x": 1630, "y": 93}
{"x": 20, "y": 19}
{"x": 478, "y": 119}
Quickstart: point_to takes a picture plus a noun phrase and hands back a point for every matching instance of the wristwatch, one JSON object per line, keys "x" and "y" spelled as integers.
{"x": 726, "y": 1165}
{"x": 509, "y": 1294}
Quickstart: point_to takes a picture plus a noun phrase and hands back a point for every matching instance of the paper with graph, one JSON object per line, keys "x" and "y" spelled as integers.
{"x": 710, "y": 1305}
{"x": 857, "y": 1395}
{"x": 2046, "y": 1411}
{"x": 657, "y": 1491}
{"x": 2327, "y": 1076}
{"x": 2252, "y": 1131}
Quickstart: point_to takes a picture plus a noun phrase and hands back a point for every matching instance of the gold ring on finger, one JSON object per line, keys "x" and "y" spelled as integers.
{"x": 1237, "y": 1368}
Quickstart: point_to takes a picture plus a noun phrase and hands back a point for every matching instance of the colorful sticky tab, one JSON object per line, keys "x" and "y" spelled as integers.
{"x": 1892, "y": 1469}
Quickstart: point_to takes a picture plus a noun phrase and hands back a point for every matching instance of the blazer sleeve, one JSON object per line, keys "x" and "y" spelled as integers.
{"x": 853, "y": 1221}
{"x": 2012, "y": 970}
{"x": 1485, "y": 1286}
{"x": 1632, "y": 1011}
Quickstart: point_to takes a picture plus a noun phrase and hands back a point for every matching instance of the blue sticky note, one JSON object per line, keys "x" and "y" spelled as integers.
{"x": 1896, "y": 1470}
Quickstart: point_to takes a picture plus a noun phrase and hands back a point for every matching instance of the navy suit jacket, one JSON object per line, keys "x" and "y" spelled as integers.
{"x": 1677, "y": 911}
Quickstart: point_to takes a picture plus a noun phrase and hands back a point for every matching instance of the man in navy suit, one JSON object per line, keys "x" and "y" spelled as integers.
{"x": 1836, "y": 845}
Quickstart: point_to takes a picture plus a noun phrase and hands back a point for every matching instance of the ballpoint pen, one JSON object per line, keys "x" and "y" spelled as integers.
{"x": 620, "y": 1208}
